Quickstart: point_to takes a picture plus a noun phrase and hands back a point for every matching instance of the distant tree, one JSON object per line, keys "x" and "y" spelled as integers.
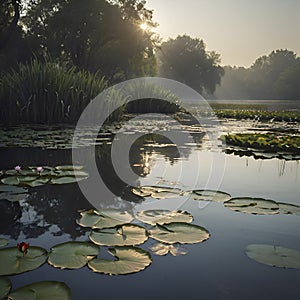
{"x": 186, "y": 59}
{"x": 95, "y": 35}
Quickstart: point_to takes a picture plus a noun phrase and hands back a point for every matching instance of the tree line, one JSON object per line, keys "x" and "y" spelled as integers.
{"x": 115, "y": 39}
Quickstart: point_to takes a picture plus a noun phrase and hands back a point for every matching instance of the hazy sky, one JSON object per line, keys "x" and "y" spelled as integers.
{"x": 240, "y": 30}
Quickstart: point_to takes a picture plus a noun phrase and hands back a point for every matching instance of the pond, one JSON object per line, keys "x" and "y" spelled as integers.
{"x": 218, "y": 268}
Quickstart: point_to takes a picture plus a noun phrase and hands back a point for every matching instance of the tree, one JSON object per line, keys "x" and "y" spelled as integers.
{"x": 95, "y": 35}
{"x": 185, "y": 59}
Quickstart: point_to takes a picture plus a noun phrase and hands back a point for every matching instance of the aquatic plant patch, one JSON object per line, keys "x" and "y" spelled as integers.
{"x": 269, "y": 142}
{"x": 210, "y": 195}
{"x": 260, "y": 206}
{"x": 163, "y": 249}
{"x": 37, "y": 176}
{"x": 5, "y": 287}
{"x": 158, "y": 192}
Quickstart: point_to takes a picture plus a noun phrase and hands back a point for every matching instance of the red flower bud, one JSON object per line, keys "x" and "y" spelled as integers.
{"x": 23, "y": 247}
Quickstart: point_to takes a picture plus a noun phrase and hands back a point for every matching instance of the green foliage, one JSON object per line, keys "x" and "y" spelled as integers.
{"x": 266, "y": 141}
{"x": 186, "y": 59}
{"x": 46, "y": 92}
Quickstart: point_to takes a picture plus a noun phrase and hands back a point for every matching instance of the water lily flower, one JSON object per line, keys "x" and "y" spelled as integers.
{"x": 18, "y": 168}
{"x": 40, "y": 169}
{"x": 23, "y": 247}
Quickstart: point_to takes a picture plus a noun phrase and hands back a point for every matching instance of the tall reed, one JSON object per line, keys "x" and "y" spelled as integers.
{"x": 47, "y": 92}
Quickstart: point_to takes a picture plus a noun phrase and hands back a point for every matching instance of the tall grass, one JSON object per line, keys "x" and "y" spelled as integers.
{"x": 46, "y": 92}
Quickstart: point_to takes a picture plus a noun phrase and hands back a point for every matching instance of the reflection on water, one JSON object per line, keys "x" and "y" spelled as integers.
{"x": 218, "y": 267}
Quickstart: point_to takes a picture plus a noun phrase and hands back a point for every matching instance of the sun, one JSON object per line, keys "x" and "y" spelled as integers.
{"x": 144, "y": 26}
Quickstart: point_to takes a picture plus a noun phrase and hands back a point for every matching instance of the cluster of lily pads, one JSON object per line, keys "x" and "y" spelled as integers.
{"x": 110, "y": 228}
{"x": 280, "y": 144}
{"x": 38, "y": 176}
{"x": 248, "y": 205}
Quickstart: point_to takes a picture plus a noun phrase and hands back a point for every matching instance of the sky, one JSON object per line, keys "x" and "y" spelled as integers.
{"x": 239, "y": 30}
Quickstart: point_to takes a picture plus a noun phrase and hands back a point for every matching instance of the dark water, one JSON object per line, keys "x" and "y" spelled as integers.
{"x": 215, "y": 269}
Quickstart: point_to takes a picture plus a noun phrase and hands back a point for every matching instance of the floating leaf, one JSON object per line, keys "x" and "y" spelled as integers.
{"x": 104, "y": 219}
{"x": 179, "y": 232}
{"x": 63, "y": 180}
{"x": 69, "y": 168}
{"x": 211, "y": 195}
{"x": 43, "y": 290}
{"x": 38, "y": 182}
{"x": 275, "y": 256}
{"x": 124, "y": 235}
{"x": 11, "y": 180}
{"x": 157, "y": 192}
{"x": 73, "y": 173}
{"x": 129, "y": 260}
{"x": 160, "y": 216}
{"x": 163, "y": 249}
{"x": 12, "y": 261}
{"x": 257, "y": 206}
{"x": 285, "y": 208}
{"x": 3, "y": 242}
{"x": 5, "y": 286}
{"x": 12, "y": 189}
{"x": 72, "y": 255}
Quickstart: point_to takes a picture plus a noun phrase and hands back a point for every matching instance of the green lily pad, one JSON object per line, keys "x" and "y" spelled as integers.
{"x": 163, "y": 249}
{"x": 43, "y": 290}
{"x": 72, "y": 255}
{"x": 257, "y": 206}
{"x": 211, "y": 195}
{"x": 123, "y": 235}
{"x": 5, "y": 286}
{"x": 11, "y": 180}
{"x": 63, "y": 180}
{"x": 38, "y": 182}
{"x": 285, "y": 208}
{"x": 12, "y": 261}
{"x": 161, "y": 216}
{"x": 3, "y": 242}
{"x": 157, "y": 192}
{"x": 12, "y": 189}
{"x": 275, "y": 256}
{"x": 69, "y": 168}
{"x": 129, "y": 260}
{"x": 103, "y": 219}
{"x": 74, "y": 173}
{"x": 179, "y": 232}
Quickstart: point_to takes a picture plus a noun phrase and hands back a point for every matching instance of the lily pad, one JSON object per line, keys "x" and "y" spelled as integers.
{"x": 69, "y": 168}
{"x": 103, "y": 219}
{"x": 12, "y": 261}
{"x": 11, "y": 180}
{"x": 5, "y": 286}
{"x": 43, "y": 290}
{"x": 211, "y": 195}
{"x": 163, "y": 249}
{"x": 3, "y": 242}
{"x": 157, "y": 192}
{"x": 275, "y": 256}
{"x": 63, "y": 180}
{"x": 160, "y": 216}
{"x": 38, "y": 182}
{"x": 129, "y": 260}
{"x": 124, "y": 235}
{"x": 286, "y": 208}
{"x": 179, "y": 232}
{"x": 257, "y": 206}
{"x": 12, "y": 189}
{"x": 13, "y": 197}
{"x": 72, "y": 255}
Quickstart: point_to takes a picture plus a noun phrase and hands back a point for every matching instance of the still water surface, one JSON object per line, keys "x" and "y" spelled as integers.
{"x": 215, "y": 269}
